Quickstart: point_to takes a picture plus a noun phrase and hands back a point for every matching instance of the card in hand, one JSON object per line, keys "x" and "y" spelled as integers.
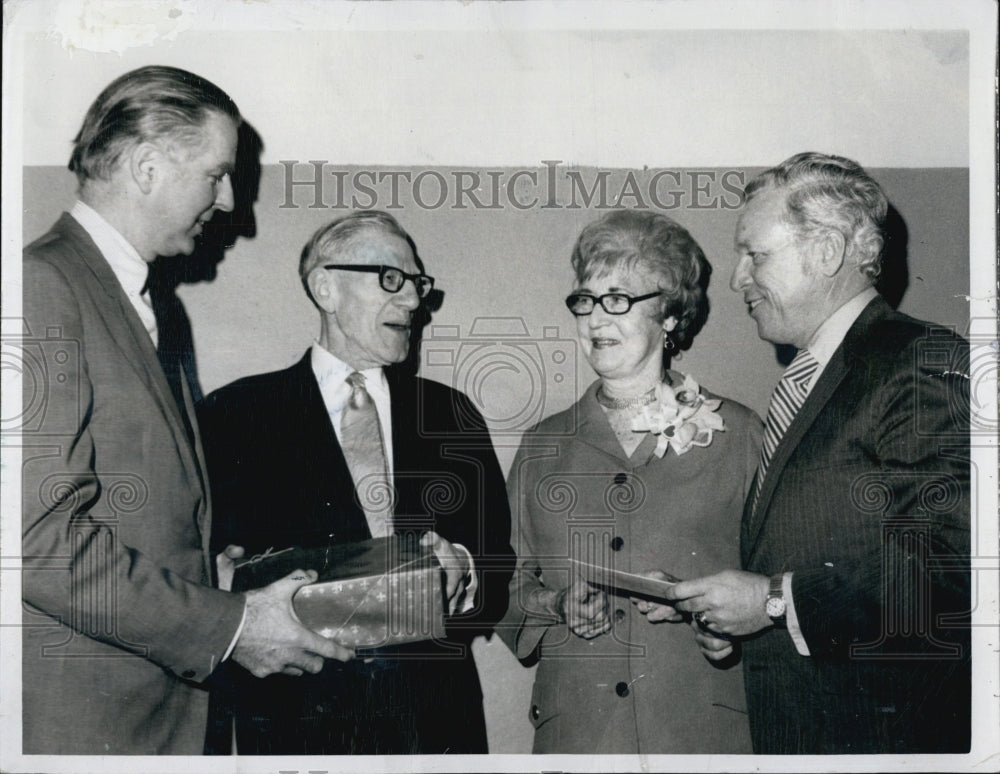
{"x": 621, "y": 582}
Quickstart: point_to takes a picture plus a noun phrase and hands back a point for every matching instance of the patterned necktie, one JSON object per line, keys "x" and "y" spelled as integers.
{"x": 787, "y": 399}
{"x": 361, "y": 440}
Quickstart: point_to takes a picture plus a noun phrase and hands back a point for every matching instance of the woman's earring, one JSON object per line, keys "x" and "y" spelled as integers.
{"x": 669, "y": 345}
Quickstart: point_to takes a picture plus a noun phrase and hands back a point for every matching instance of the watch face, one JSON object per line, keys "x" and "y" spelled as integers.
{"x": 775, "y": 607}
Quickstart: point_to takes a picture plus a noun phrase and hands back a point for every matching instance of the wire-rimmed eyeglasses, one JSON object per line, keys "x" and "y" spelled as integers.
{"x": 390, "y": 278}
{"x": 582, "y": 304}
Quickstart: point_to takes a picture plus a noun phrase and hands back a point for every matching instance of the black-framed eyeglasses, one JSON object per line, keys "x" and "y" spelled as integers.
{"x": 582, "y": 304}
{"x": 390, "y": 278}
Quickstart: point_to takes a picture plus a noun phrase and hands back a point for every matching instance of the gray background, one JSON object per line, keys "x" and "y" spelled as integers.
{"x": 503, "y": 334}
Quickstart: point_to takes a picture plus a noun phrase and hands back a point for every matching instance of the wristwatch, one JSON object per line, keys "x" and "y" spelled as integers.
{"x": 776, "y": 600}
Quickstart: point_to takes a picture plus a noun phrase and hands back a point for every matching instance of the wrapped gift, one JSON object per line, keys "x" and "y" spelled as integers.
{"x": 370, "y": 594}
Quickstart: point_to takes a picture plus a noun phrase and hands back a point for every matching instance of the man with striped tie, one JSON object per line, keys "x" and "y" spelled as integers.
{"x": 851, "y": 608}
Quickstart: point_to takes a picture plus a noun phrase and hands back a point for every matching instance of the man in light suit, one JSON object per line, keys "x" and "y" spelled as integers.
{"x": 853, "y": 603}
{"x": 284, "y": 468}
{"x": 121, "y": 623}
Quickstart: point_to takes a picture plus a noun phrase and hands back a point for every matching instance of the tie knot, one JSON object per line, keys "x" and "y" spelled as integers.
{"x": 359, "y": 394}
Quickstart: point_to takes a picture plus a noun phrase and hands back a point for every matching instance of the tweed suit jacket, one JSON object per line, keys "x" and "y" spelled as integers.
{"x": 279, "y": 478}
{"x": 866, "y": 501}
{"x": 119, "y": 624}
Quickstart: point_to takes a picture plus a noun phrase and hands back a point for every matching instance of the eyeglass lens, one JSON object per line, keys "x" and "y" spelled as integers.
{"x": 392, "y": 281}
{"x": 582, "y": 304}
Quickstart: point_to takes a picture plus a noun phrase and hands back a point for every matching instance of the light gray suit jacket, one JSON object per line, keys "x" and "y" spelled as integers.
{"x": 120, "y": 622}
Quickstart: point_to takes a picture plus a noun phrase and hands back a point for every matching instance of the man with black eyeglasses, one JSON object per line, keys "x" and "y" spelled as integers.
{"x": 305, "y": 457}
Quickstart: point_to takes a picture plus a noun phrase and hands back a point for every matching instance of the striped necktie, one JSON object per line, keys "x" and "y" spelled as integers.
{"x": 361, "y": 440}
{"x": 786, "y": 401}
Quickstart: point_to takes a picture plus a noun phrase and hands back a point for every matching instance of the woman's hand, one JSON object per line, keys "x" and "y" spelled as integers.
{"x": 657, "y": 612}
{"x": 712, "y": 648}
{"x": 584, "y": 609}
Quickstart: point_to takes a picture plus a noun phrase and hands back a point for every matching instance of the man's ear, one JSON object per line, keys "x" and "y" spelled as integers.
{"x": 323, "y": 290}
{"x": 829, "y": 252}
{"x": 145, "y": 164}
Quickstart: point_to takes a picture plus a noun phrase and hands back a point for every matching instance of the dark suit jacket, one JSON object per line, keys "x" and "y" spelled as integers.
{"x": 866, "y": 500}
{"x": 115, "y": 523}
{"x": 279, "y": 478}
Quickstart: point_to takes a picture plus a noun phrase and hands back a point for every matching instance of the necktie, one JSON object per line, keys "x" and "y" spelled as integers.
{"x": 145, "y": 308}
{"x": 787, "y": 399}
{"x": 167, "y": 338}
{"x": 361, "y": 440}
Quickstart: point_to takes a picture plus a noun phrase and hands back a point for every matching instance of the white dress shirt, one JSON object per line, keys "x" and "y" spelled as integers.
{"x": 822, "y": 345}
{"x": 125, "y": 262}
{"x": 331, "y": 375}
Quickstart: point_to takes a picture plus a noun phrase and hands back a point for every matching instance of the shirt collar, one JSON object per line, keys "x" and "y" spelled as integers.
{"x": 831, "y": 333}
{"x": 126, "y": 263}
{"x": 331, "y": 374}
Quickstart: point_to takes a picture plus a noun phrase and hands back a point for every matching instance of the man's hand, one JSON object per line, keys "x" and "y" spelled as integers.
{"x": 656, "y": 612}
{"x": 274, "y": 640}
{"x": 584, "y": 609}
{"x": 731, "y": 602}
{"x": 225, "y": 565}
{"x": 454, "y": 562}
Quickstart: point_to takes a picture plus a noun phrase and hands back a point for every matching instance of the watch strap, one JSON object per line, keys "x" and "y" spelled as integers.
{"x": 776, "y": 591}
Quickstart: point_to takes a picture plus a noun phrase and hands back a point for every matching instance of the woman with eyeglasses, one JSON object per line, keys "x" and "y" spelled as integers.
{"x": 644, "y": 477}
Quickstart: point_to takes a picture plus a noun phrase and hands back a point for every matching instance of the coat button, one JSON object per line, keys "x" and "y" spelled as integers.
{"x": 620, "y": 478}
{"x": 619, "y": 615}
{"x": 617, "y": 543}
{"x": 534, "y": 712}
{"x": 622, "y": 689}
{"x": 188, "y": 674}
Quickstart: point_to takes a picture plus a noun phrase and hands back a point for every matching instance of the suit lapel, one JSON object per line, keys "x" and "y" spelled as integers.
{"x": 831, "y": 377}
{"x": 132, "y": 339}
{"x": 205, "y": 512}
{"x": 407, "y": 449}
{"x": 841, "y": 363}
{"x": 419, "y": 443}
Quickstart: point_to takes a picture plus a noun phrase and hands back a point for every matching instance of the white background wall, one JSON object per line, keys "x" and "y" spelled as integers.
{"x": 514, "y": 96}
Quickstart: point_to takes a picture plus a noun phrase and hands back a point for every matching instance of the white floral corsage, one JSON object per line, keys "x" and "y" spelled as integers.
{"x": 681, "y": 417}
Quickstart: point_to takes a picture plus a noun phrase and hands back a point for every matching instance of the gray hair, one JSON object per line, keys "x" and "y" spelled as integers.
{"x": 151, "y": 103}
{"x": 824, "y": 193}
{"x": 654, "y": 243}
{"x": 337, "y": 235}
